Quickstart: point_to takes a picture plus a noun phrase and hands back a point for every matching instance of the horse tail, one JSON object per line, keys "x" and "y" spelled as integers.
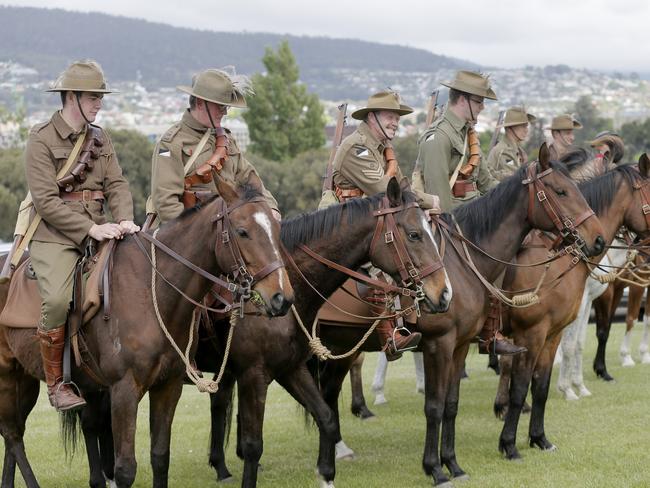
{"x": 70, "y": 423}
{"x": 229, "y": 410}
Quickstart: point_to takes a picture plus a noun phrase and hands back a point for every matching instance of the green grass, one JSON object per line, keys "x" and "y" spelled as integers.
{"x": 603, "y": 440}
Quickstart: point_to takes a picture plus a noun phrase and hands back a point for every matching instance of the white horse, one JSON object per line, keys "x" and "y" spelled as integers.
{"x": 379, "y": 381}
{"x": 635, "y": 298}
{"x": 569, "y": 353}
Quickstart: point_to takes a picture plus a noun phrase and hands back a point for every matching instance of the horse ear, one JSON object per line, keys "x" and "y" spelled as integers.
{"x": 394, "y": 192}
{"x": 255, "y": 182}
{"x": 644, "y": 165}
{"x": 544, "y": 157}
{"x": 226, "y": 190}
{"x": 405, "y": 184}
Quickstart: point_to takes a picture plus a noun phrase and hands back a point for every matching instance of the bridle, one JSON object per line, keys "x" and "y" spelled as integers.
{"x": 386, "y": 229}
{"x": 566, "y": 226}
{"x": 239, "y": 280}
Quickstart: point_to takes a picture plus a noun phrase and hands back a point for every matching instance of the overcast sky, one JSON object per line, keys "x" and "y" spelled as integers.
{"x": 597, "y": 34}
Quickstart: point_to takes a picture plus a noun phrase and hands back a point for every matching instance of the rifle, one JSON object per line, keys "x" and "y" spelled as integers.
{"x": 432, "y": 107}
{"x": 495, "y": 134}
{"x": 336, "y": 142}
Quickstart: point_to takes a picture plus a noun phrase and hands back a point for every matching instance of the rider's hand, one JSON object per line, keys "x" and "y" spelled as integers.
{"x": 105, "y": 231}
{"x": 128, "y": 227}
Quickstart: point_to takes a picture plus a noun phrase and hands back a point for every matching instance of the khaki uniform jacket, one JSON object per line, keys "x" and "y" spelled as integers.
{"x": 170, "y": 155}
{"x": 48, "y": 147}
{"x": 504, "y": 159}
{"x": 360, "y": 163}
{"x": 441, "y": 147}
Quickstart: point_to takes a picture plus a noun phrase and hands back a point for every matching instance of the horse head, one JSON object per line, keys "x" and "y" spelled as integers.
{"x": 556, "y": 204}
{"x": 637, "y": 215}
{"x": 248, "y": 244}
{"x": 405, "y": 248}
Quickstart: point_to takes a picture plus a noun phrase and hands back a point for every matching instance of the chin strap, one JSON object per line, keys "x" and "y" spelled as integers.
{"x": 77, "y": 96}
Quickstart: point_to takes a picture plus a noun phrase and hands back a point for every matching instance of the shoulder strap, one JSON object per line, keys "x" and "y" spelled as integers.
{"x": 197, "y": 151}
{"x": 454, "y": 176}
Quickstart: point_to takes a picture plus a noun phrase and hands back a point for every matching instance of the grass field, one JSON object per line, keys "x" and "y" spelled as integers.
{"x": 603, "y": 440}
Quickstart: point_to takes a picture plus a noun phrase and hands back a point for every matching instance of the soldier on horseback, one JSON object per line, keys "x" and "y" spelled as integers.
{"x": 364, "y": 163}
{"x": 70, "y": 212}
{"x": 562, "y": 128}
{"x": 197, "y": 142}
{"x": 452, "y": 167}
{"x": 508, "y": 155}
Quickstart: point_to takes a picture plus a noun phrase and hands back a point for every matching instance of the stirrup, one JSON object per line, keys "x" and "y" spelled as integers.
{"x": 393, "y": 344}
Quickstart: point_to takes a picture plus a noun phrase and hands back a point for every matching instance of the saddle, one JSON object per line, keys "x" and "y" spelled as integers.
{"x": 23, "y": 306}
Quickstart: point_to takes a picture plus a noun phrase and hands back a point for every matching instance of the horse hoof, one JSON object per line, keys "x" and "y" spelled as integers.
{"x": 551, "y": 448}
{"x": 368, "y": 418}
{"x": 568, "y": 393}
{"x": 645, "y": 358}
{"x": 324, "y": 484}
{"x": 627, "y": 361}
{"x": 462, "y": 477}
{"x": 445, "y": 484}
{"x": 420, "y": 388}
{"x": 226, "y": 481}
{"x": 111, "y": 484}
{"x": 343, "y": 452}
{"x": 583, "y": 391}
{"x": 380, "y": 399}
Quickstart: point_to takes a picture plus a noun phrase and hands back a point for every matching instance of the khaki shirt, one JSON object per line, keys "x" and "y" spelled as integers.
{"x": 441, "y": 147}
{"x": 48, "y": 147}
{"x": 170, "y": 155}
{"x": 504, "y": 159}
{"x": 360, "y": 163}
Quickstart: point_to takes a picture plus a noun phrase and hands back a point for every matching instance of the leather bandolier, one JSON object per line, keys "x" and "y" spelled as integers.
{"x": 203, "y": 173}
{"x": 462, "y": 186}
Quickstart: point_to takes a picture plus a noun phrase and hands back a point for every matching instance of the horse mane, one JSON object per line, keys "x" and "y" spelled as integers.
{"x": 600, "y": 191}
{"x": 482, "y": 216}
{"x": 311, "y": 226}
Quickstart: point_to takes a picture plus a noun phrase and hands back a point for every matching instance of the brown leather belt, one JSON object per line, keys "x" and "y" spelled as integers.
{"x": 461, "y": 187}
{"x": 82, "y": 196}
{"x": 344, "y": 193}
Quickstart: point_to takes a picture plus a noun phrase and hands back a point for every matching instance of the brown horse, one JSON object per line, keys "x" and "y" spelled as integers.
{"x": 265, "y": 350}
{"x": 131, "y": 354}
{"x": 618, "y": 198}
{"x": 498, "y": 223}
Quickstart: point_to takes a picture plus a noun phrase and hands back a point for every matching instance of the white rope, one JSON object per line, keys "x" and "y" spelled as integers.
{"x": 202, "y": 384}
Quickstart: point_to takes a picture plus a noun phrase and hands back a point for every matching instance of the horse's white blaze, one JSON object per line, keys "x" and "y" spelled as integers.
{"x": 427, "y": 228}
{"x": 265, "y": 223}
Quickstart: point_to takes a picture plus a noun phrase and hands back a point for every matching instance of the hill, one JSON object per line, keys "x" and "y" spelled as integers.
{"x": 162, "y": 55}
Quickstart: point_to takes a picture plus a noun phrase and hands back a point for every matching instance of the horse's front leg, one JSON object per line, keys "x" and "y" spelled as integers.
{"x": 448, "y": 439}
{"x": 437, "y": 368}
{"x": 522, "y": 370}
{"x": 220, "y": 421}
{"x": 252, "y": 388}
{"x": 125, "y": 396}
{"x": 605, "y": 306}
{"x": 95, "y": 417}
{"x": 163, "y": 400}
{"x": 539, "y": 389}
{"x": 302, "y": 387}
{"x": 358, "y": 405}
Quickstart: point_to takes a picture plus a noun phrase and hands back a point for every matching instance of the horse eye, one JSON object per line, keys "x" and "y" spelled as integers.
{"x": 242, "y": 232}
{"x": 561, "y": 193}
{"x": 413, "y": 235}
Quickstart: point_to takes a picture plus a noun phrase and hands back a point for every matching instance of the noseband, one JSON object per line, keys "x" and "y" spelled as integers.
{"x": 565, "y": 225}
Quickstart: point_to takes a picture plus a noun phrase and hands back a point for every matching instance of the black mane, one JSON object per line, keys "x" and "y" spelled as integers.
{"x": 308, "y": 227}
{"x": 599, "y": 192}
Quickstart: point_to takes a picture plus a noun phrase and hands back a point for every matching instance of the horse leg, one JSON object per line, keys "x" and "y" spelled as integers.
{"x": 635, "y": 294}
{"x": 331, "y": 381}
{"x": 522, "y": 370}
{"x": 93, "y": 422}
{"x": 18, "y": 395}
{"x": 448, "y": 439}
{"x": 418, "y": 362}
{"x": 220, "y": 410}
{"x": 125, "y": 396}
{"x": 568, "y": 347}
{"x": 578, "y": 375}
{"x": 252, "y": 388}
{"x": 503, "y": 395}
{"x": 358, "y": 407}
{"x": 437, "y": 369}
{"x": 162, "y": 401}
{"x": 605, "y": 306}
{"x": 379, "y": 380}
{"x": 643, "y": 347}
{"x": 302, "y": 387}
{"x": 540, "y": 384}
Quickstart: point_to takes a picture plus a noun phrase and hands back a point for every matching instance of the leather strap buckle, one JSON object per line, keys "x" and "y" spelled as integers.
{"x": 541, "y": 195}
{"x": 225, "y": 237}
{"x": 645, "y": 209}
{"x": 389, "y": 237}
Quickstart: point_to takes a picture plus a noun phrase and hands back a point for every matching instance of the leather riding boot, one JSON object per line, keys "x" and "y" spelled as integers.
{"x": 62, "y": 396}
{"x": 394, "y": 342}
{"x": 491, "y": 339}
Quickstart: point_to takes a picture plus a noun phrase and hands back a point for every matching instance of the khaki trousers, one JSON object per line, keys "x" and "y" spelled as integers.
{"x": 54, "y": 266}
